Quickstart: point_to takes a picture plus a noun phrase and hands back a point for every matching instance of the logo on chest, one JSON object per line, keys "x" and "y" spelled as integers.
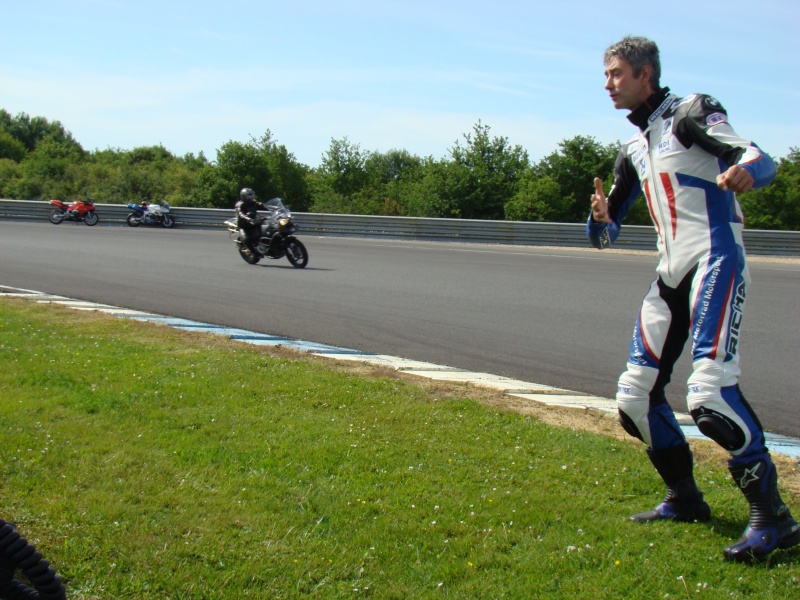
{"x": 667, "y": 145}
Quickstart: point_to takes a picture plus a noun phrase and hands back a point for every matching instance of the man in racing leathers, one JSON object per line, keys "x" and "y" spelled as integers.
{"x": 689, "y": 163}
{"x": 247, "y": 216}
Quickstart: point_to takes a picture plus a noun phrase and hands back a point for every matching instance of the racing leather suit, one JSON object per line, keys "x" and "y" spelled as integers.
{"x": 675, "y": 157}
{"x": 247, "y": 219}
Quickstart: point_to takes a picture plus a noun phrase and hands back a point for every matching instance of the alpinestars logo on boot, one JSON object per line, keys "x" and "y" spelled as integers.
{"x": 749, "y": 476}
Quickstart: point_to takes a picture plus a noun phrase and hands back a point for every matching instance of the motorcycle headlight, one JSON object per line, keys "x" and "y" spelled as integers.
{"x": 283, "y": 221}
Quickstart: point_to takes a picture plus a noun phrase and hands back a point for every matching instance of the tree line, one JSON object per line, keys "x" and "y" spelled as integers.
{"x": 481, "y": 177}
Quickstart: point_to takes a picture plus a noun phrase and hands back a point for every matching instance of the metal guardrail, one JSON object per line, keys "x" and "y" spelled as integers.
{"x": 520, "y": 233}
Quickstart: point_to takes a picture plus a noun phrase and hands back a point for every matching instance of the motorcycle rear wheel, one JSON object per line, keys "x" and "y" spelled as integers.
{"x": 91, "y": 218}
{"x": 168, "y": 222}
{"x": 134, "y": 220}
{"x": 56, "y": 217}
{"x": 248, "y": 255}
{"x": 296, "y": 253}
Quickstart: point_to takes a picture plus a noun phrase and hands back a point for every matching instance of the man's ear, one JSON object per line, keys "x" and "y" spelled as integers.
{"x": 647, "y": 72}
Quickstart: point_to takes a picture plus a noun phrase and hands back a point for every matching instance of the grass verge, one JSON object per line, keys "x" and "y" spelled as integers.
{"x": 148, "y": 462}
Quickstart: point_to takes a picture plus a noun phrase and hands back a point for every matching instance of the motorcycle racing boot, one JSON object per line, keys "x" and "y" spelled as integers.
{"x": 771, "y": 525}
{"x": 683, "y": 503}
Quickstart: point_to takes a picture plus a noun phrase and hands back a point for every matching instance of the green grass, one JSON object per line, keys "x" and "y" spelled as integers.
{"x": 147, "y": 462}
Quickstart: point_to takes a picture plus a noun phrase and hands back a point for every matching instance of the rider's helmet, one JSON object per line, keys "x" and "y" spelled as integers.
{"x": 247, "y": 193}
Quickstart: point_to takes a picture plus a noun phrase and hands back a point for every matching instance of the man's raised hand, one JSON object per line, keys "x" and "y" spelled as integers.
{"x": 599, "y": 203}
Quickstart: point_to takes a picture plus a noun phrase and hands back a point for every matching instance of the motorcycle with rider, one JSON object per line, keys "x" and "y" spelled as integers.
{"x": 272, "y": 236}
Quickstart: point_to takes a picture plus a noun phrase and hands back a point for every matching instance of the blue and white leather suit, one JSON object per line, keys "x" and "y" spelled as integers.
{"x": 699, "y": 294}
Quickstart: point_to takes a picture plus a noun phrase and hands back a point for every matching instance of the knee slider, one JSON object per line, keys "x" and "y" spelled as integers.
{"x": 719, "y": 428}
{"x": 629, "y": 426}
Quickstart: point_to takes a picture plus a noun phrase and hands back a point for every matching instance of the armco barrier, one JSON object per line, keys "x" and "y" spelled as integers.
{"x": 520, "y": 233}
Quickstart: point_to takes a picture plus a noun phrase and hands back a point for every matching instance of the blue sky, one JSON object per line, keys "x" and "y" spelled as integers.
{"x": 414, "y": 75}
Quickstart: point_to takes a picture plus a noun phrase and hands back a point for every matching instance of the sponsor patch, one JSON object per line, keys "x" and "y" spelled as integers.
{"x": 715, "y": 118}
{"x": 635, "y": 143}
{"x": 636, "y": 152}
{"x": 712, "y": 102}
{"x": 642, "y": 168}
{"x": 660, "y": 110}
{"x": 666, "y": 128}
{"x": 666, "y": 145}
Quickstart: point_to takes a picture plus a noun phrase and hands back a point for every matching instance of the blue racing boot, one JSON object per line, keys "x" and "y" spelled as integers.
{"x": 771, "y": 525}
{"x": 684, "y": 502}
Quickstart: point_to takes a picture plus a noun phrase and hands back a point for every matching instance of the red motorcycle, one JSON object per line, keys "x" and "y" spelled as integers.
{"x": 80, "y": 210}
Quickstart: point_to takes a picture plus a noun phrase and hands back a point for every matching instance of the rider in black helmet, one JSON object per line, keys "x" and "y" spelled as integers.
{"x": 247, "y": 215}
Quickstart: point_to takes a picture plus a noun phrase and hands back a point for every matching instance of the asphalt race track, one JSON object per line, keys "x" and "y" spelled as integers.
{"x": 558, "y": 317}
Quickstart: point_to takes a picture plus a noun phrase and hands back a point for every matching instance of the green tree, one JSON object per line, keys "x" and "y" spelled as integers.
{"x": 141, "y": 176}
{"x": 337, "y": 185}
{"x": 179, "y": 179}
{"x": 395, "y": 165}
{"x": 51, "y": 170}
{"x": 289, "y": 177}
{"x": 574, "y": 166}
{"x": 414, "y": 190}
{"x": 484, "y": 173}
{"x": 48, "y": 155}
{"x": 101, "y": 173}
{"x": 11, "y": 148}
{"x": 30, "y": 131}
{"x": 538, "y": 199}
{"x": 10, "y": 173}
{"x": 388, "y": 174}
{"x": 261, "y": 164}
{"x": 343, "y": 167}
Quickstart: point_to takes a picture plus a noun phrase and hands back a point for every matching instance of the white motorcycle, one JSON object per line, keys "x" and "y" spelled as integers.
{"x": 157, "y": 214}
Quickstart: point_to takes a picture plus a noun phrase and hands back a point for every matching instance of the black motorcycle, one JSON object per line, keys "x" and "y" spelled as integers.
{"x": 276, "y": 240}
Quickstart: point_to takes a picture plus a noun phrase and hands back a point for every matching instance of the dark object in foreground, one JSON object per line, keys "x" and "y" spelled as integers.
{"x": 17, "y": 554}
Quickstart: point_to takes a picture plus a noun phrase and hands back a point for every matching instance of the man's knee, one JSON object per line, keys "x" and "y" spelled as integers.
{"x": 723, "y": 430}
{"x": 629, "y": 425}
{"x": 633, "y": 400}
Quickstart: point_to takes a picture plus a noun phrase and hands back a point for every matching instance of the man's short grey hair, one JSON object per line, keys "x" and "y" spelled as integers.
{"x": 638, "y": 51}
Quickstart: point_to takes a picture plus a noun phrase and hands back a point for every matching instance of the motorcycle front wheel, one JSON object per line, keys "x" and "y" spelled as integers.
{"x": 134, "y": 220}
{"x": 91, "y": 218}
{"x": 168, "y": 222}
{"x": 296, "y": 253}
{"x": 248, "y": 255}
{"x": 56, "y": 217}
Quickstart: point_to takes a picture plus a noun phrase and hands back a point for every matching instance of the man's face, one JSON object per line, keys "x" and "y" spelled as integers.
{"x": 626, "y": 90}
